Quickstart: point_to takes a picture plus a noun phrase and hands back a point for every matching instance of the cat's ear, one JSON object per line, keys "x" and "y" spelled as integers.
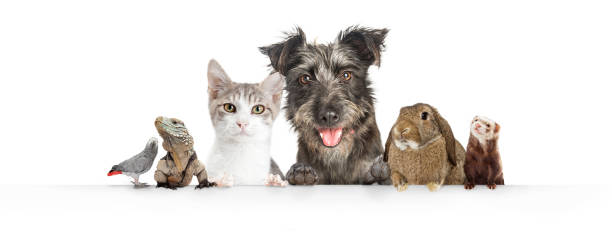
{"x": 218, "y": 80}
{"x": 273, "y": 85}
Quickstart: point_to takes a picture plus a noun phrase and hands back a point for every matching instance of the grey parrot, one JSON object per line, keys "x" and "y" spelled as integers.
{"x": 138, "y": 164}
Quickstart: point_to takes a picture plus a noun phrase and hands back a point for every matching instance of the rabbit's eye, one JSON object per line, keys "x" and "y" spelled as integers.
{"x": 424, "y": 115}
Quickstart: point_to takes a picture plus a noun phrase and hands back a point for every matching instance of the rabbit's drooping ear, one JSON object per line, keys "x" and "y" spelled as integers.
{"x": 387, "y": 145}
{"x": 449, "y": 138}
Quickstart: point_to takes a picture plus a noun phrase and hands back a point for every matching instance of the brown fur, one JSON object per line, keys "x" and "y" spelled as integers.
{"x": 433, "y": 161}
{"x": 483, "y": 164}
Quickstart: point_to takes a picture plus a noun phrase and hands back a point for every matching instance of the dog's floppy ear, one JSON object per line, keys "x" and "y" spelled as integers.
{"x": 449, "y": 137}
{"x": 367, "y": 43}
{"x": 218, "y": 80}
{"x": 280, "y": 53}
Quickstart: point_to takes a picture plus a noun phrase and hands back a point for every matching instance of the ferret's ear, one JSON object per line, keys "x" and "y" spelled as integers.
{"x": 280, "y": 53}
{"x": 449, "y": 137}
{"x": 273, "y": 85}
{"x": 496, "y": 131}
{"x": 218, "y": 80}
{"x": 366, "y": 42}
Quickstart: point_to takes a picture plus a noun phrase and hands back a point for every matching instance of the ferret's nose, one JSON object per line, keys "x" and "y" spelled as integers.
{"x": 477, "y": 126}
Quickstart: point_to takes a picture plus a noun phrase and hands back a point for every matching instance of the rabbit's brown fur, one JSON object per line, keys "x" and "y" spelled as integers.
{"x": 417, "y": 152}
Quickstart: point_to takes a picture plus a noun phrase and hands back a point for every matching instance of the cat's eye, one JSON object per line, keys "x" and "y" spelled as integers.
{"x": 424, "y": 115}
{"x": 346, "y": 75}
{"x": 306, "y": 79}
{"x": 229, "y": 107}
{"x": 258, "y": 109}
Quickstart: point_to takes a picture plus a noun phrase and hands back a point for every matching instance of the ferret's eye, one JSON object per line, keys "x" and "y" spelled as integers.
{"x": 229, "y": 107}
{"x": 424, "y": 115}
{"x": 488, "y": 125}
{"x": 346, "y": 75}
{"x": 306, "y": 79}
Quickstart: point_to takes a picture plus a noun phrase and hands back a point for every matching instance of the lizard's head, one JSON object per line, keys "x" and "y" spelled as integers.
{"x": 174, "y": 133}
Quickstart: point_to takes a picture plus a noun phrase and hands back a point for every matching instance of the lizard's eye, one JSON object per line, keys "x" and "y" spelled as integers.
{"x": 174, "y": 122}
{"x": 229, "y": 107}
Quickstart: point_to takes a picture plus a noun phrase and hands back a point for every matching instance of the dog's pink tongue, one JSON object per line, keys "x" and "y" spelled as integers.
{"x": 331, "y": 137}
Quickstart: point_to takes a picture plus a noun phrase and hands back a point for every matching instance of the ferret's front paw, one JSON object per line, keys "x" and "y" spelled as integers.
{"x": 468, "y": 186}
{"x": 275, "y": 180}
{"x": 492, "y": 186}
{"x": 432, "y": 186}
{"x": 302, "y": 174}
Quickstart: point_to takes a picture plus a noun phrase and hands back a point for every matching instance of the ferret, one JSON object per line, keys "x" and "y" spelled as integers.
{"x": 483, "y": 163}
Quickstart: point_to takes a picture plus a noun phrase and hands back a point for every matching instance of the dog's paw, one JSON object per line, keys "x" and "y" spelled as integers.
{"x": 492, "y": 186}
{"x": 302, "y": 174}
{"x": 380, "y": 169}
{"x": 468, "y": 186}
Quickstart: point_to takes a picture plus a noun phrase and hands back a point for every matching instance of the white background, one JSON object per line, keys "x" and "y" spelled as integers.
{"x": 82, "y": 82}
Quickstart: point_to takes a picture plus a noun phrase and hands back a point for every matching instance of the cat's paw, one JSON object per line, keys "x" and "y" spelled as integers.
{"x": 380, "y": 170}
{"x": 275, "y": 180}
{"x": 223, "y": 181}
{"x": 302, "y": 174}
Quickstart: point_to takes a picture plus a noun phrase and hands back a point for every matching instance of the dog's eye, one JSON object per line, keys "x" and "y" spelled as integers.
{"x": 305, "y": 79}
{"x": 424, "y": 115}
{"x": 258, "y": 109}
{"x": 229, "y": 107}
{"x": 346, "y": 75}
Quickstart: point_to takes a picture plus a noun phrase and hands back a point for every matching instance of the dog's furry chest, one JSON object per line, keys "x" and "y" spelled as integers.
{"x": 247, "y": 163}
{"x": 420, "y": 166}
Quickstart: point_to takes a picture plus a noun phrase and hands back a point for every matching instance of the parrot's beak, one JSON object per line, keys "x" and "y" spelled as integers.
{"x": 112, "y": 173}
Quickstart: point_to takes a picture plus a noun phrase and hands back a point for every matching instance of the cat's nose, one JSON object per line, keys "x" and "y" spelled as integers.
{"x": 242, "y": 125}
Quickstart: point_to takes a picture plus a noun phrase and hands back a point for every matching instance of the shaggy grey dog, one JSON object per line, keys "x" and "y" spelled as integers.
{"x": 330, "y": 105}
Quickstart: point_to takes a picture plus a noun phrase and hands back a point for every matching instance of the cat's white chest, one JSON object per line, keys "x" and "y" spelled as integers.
{"x": 247, "y": 163}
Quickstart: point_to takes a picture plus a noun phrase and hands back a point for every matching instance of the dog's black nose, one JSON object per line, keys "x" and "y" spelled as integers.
{"x": 329, "y": 117}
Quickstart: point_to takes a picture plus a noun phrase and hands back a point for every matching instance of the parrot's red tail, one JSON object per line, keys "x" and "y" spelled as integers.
{"x": 112, "y": 173}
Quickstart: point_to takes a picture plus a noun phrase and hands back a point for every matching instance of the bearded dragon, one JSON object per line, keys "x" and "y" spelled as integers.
{"x": 181, "y": 163}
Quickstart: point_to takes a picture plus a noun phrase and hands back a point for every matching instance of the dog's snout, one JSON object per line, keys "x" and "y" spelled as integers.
{"x": 329, "y": 117}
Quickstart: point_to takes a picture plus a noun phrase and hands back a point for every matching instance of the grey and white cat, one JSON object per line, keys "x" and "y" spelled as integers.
{"x": 242, "y": 115}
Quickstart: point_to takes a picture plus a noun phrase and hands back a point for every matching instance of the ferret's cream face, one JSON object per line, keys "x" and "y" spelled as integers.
{"x": 483, "y": 128}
